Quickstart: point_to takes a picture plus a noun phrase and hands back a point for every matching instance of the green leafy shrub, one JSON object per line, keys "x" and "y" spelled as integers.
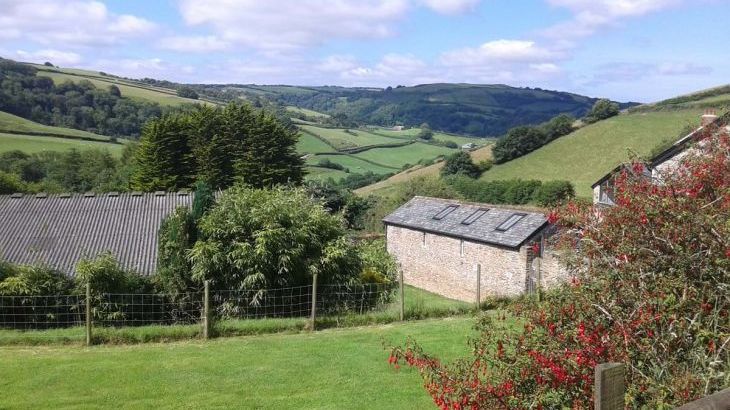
{"x": 601, "y": 110}
{"x": 460, "y": 163}
{"x": 28, "y": 280}
{"x": 10, "y": 183}
{"x": 267, "y": 239}
{"x": 553, "y": 193}
{"x": 379, "y": 266}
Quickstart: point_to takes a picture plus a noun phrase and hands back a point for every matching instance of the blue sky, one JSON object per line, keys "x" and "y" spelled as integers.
{"x": 639, "y": 50}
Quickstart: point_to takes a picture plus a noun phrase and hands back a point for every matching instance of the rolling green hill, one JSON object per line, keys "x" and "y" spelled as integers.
{"x": 478, "y": 110}
{"x": 10, "y": 123}
{"x": 34, "y": 143}
{"x": 588, "y": 153}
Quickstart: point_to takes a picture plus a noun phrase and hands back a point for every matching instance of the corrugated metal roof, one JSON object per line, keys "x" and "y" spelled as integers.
{"x": 58, "y": 230}
{"x": 419, "y": 212}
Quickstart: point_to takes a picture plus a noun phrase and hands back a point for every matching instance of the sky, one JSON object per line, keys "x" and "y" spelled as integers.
{"x": 627, "y": 50}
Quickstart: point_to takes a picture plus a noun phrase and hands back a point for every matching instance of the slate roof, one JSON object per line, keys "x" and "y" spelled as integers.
{"x": 419, "y": 212}
{"x": 58, "y": 230}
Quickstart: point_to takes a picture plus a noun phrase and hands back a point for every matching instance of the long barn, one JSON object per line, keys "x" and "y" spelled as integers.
{"x": 59, "y": 230}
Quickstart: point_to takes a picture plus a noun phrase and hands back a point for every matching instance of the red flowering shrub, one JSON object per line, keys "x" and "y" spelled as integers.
{"x": 651, "y": 290}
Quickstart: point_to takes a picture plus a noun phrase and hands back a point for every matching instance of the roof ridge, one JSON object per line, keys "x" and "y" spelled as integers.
{"x": 110, "y": 194}
{"x": 509, "y": 207}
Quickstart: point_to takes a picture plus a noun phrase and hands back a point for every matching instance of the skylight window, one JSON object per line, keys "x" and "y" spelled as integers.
{"x": 474, "y": 216}
{"x": 510, "y": 222}
{"x": 442, "y": 214}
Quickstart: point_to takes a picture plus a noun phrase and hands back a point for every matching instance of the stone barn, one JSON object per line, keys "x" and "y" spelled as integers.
{"x": 443, "y": 246}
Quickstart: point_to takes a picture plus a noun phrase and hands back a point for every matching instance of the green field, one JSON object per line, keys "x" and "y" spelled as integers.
{"x": 409, "y": 154}
{"x": 10, "y": 122}
{"x": 331, "y": 369}
{"x": 309, "y": 144}
{"x": 412, "y": 133}
{"x": 353, "y": 163}
{"x": 586, "y": 155}
{"x": 340, "y": 139}
{"x": 32, "y": 143}
{"x": 323, "y": 174}
{"x": 298, "y": 110}
{"x": 128, "y": 89}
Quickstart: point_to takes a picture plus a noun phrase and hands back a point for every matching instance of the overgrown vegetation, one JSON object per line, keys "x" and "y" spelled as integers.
{"x": 74, "y": 105}
{"x": 525, "y": 139}
{"x": 650, "y": 290}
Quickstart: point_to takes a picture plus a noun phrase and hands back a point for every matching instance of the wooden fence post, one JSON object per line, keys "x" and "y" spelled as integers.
{"x": 314, "y": 301}
{"x": 206, "y": 310}
{"x": 88, "y": 314}
{"x": 479, "y": 287}
{"x": 609, "y": 389}
{"x": 402, "y": 297}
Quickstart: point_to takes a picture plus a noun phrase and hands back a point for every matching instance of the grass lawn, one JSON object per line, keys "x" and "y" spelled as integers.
{"x": 10, "y": 122}
{"x": 331, "y": 369}
{"x": 586, "y": 155}
{"x": 32, "y": 143}
{"x": 411, "y": 133}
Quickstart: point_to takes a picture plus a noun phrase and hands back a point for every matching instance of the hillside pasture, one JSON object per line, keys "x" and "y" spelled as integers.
{"x": 128, "y": 89}
{"x": 315, "y": 173}
{"x": 397, "y": 157}
{"x": 32, "y": 143}
{"x": 340, "y": 139}
{"x": 353, "y": 163}
{"x": 331, "y": 369}
{"x": 13, "y": 123}
{"x": 309, "y": 144}
{"x": 587, "y": 154}
{"x": 411, "y": 133}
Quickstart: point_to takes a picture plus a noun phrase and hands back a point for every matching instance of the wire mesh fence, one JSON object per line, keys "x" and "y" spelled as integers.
{"x": 123, "y": 310}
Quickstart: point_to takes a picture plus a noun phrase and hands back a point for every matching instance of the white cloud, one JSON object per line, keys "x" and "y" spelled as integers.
{"x": 592, "y": 15}
{"x": 193, "y": 44}
{"x": 337, "y": 63}
{"x": 62, "y": 58}
{"x": 683, "y": 68}
{"x": 498, "y": 52}
{"x": 292, "y": 24}
{"x": 72, "y": 23}
{"x": 451, "y": 6}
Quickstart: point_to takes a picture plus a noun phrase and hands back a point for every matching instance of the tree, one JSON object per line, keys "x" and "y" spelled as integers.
{"x": 272, "y": 238}
{"x": 163, "y": 158}
{"x": 601, "y": 110}
{"x": 187, "y": 92}
{"x": 554, "y": 193}
{"x": 518, "y": 142}
{"x": 425, "y": 133}
{"x": 460, "y": 163}
{"x": 48, "y": 64}
{"x": 115, "y": 91}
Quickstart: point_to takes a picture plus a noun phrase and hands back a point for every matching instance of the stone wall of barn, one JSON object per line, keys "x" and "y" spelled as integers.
{"x": 435, "y": 263}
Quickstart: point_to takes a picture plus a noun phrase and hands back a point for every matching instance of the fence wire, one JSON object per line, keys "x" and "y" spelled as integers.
{"x": 120, "y": 310}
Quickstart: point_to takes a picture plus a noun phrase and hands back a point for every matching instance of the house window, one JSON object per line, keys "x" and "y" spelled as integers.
{"x": 423, "y": 239}
{"x": 442, "y": 214}
{"x": 474, "y": 216}
{"x": 510, "y": 222}
{"x": 461, "y": 248}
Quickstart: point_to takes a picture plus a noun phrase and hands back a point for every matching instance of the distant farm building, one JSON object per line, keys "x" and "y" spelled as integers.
{"x": 468, "y": 146}
{"x": 662, "y": 163}
{"x": 397, "y": 128}
{"x": 441, "y": 244}
{"x": 59, "y": 230}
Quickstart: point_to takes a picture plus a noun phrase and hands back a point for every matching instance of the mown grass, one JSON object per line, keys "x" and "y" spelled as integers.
{"x": 10, "y": 122}
{"x": 33, "y": 143}
{"x": 584, "y": 156}
{"x": 331, "y": 369}
{"x": 411, "y": 133}
{"x": 419, "y": 304}
{"x": 323, "y": 174}
{"x": 309, "y": 144}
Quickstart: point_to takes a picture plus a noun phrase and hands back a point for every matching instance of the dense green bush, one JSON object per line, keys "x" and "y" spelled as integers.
{"x": 26, "y": 280}
{"x": 327, "y": 163}
{"x": 601, "y": 110}
{"x": 553, "y": 193}
{"x": 187, "y": 92}
{"x": 460, "y": 163}
{"x": 104, "y": 274}
{"x": 266, "y": 239}
{"x": 525, "y": 139}
{"x": 340, "y": 201}
{"x": 10, "y": 183}
{"x": 379, "y": 266}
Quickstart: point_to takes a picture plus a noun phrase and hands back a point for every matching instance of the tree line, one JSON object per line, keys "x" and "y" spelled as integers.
{"x": 79, "y": 105}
